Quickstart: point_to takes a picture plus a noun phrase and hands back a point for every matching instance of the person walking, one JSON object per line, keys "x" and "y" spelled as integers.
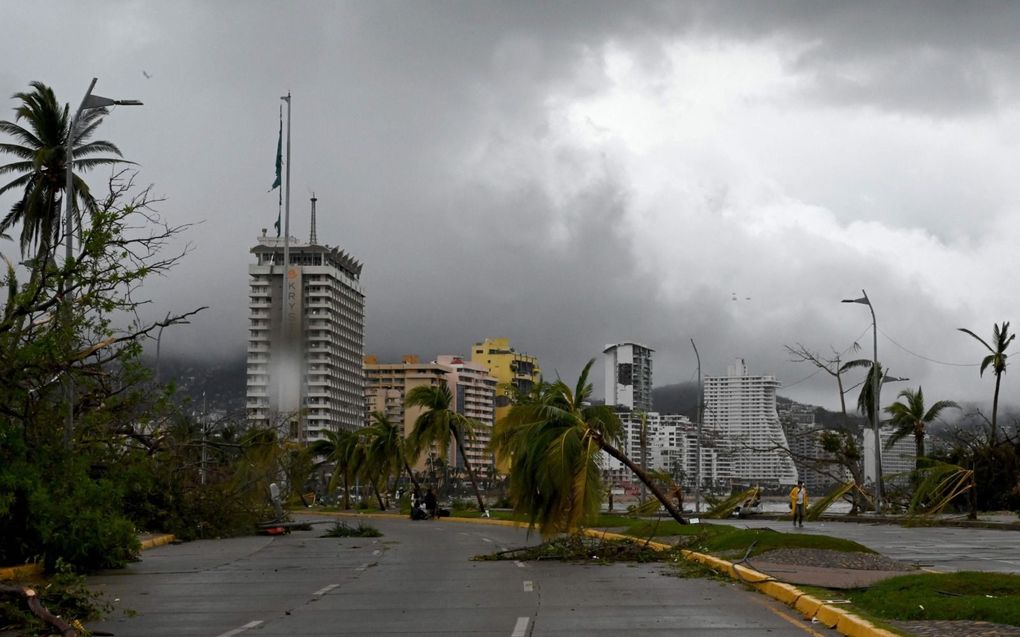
{"x": 798, "y": 503}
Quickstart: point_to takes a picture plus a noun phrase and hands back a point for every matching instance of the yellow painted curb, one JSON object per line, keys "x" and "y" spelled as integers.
{"x": 19, "y": 572}
{"x": 33, "y": 570}
{"x": 158, "y": 540}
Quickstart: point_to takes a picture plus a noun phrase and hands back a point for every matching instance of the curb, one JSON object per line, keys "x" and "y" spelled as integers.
{"x": 35, "y": 570}
{"x": 156, "y": 540}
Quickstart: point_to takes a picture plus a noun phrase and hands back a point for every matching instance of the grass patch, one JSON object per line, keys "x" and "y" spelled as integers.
{"x": 728, "y": 540}
{"x": 991, "y": 597}
{"x": 342, "y": 529}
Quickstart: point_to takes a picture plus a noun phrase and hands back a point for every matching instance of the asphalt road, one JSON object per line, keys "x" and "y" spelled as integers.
{"x": 943, "y": 549}
{"x": 418, "y": 579}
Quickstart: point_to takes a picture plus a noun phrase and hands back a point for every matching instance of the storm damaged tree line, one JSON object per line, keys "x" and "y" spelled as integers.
{"x": 92, "y": 452}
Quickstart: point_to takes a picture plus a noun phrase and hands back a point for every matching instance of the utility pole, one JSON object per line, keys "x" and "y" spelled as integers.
{"x": 697, "y": 441}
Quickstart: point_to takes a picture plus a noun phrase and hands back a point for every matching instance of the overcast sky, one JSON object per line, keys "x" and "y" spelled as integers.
{"x": 575, "y": 174}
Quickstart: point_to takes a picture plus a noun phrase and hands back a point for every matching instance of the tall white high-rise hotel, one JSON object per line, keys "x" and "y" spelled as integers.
{"x": 309, "y": 379}
{"x": 628, "y": 369}
{"x": 740, "y": 414}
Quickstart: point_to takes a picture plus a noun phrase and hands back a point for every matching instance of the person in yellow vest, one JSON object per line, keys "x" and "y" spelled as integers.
{"x": 798, "y": 503}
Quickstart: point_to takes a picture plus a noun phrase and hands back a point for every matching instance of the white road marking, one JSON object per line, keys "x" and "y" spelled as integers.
{"x": 258, "y": 622}
{"x": 520, "y": 628}
{"x": 325, "y": 589}
{"x": 529, "y": 586}
{"x": 376, "y": 552}
{"x": 519, "y": 563}
{"x": 362, "y": 567}
{"x": 485, "y": 539}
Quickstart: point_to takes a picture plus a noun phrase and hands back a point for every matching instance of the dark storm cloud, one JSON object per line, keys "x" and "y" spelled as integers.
{"x": 426, "y": 131}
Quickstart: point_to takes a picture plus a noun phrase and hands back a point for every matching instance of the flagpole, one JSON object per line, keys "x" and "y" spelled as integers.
{"x": 284, "y": 383}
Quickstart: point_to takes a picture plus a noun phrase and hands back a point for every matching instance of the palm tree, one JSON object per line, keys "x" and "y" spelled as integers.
{"x": 386, "y": 447}
{"x": 437, "y": 423}
{"x": 911, "y": 417}
{"x": 552, "y": 445}
{"x": 1001, "y": 338}
{"x": 341, "y": 448}
{"x": 39, "y": 151}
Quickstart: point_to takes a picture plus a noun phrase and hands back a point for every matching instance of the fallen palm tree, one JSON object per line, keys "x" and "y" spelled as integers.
{"x": 726, "y": 508}
{"x": 940, "y": 484}
{"x": 816, "y": 510}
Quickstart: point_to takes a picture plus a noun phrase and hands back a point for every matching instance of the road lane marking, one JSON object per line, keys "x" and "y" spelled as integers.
{"x": 325, "y": 589}
{"x": 238, "y": 631}
{"x": 376, "y": 552}
{"x": 520, "y": 628}
{"x": 485, "y": 539}
{"x": 519, "y": 563}
{"x": 362, "y": 567}
{"x": 529, "y": 586}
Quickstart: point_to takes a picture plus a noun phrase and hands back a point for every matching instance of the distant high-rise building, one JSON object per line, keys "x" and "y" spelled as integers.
{"x": 509, "y": 367}
{"x": 740, "y": 412}
{"x": 897, "y": 461}
{"x": 628, "y": 371}
{"x": 309, "y": 379}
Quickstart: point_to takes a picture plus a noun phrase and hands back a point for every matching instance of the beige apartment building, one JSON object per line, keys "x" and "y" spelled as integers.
{"x": 473, "y": 390}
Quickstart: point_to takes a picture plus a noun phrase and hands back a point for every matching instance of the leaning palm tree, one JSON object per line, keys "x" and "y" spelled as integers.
{"x": 39, "y": 153}
{"x": 341, "y": 449}
{"x": 438, "y": 423}
{"x": 1001, "y": 338}
{"x": 386, "y": 447}
{"x": 911, "y": 417}
{"x": 552, "y": 444}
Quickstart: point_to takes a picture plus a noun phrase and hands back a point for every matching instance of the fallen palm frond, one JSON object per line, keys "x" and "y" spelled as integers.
{"x": 939, "y": 486}
{"x": 577, "y": 548}
{"x": 647, "y": 507}
{"x": 725, "y": 508}
{"x": 342, "y": 529}
{"x": 816, "y": 510}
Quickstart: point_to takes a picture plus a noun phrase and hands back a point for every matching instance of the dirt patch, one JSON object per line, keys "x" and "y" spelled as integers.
{"x": 826, "y": 558}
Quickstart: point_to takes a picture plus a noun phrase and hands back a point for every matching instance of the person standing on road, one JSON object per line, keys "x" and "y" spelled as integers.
{"x": 798, "y": 503}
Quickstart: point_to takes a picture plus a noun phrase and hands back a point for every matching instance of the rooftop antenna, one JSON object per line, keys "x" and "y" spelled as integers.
{"x": 312, "y": 239}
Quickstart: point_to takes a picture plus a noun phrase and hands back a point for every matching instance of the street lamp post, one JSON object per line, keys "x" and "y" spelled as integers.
{"x": 88, "y": 102}
{"x": 875, "y": 389}
{"x": 697, "y": 441}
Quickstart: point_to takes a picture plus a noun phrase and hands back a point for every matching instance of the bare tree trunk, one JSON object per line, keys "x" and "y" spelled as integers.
{"x": 378, "y": 496}
{"x": 470, "y": 471}
{"x": 636, "y": 470}
{"x": 37, "y": 608}
{"x": 410, "y": 474}
{"x": 995, "y": 412}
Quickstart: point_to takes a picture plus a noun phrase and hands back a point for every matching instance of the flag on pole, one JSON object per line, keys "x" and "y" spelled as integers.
{"x": 279, "y": 156}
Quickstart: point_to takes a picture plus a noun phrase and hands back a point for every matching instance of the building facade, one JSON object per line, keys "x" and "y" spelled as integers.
{"x": 670, "y": 446}
{"x": 510, "y": 368}
{"x": 628, "y": 374}
{"x": 740, "y": 413}
{"x": 308, "y": 378}
{"x": 472, "y": 388}
{"x": 897, "y": 461}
